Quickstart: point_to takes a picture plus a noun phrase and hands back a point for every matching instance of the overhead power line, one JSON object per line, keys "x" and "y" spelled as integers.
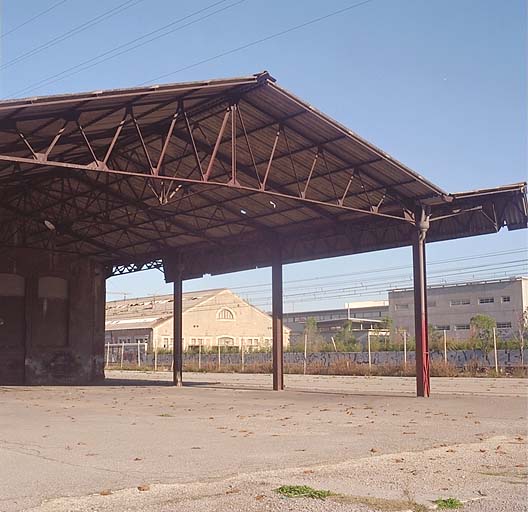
{"x": 258, "y": 41}
{"x": 376, "y": 285}
{"x": 75, "y": 69}
{"x": 126, "y": 47}
{"x": 363, "y": 273}
{"x": 265, "y": 303}
{"x": 378, "y": 289}
{"x": 33, "y": 18}
{"x": 74, "y": 31}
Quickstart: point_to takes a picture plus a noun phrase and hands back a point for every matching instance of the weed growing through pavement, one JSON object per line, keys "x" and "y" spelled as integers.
{"x": 302, "y": 491}
{"x": 448, "y": 503}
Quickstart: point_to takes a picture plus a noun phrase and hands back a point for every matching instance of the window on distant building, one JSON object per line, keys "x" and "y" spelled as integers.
{"x": 486, "y": 300}
{"x": 459, "y": 302}
{"x": 462, "y": 327}
{"x": 442, "y": 327}
{"x": 401, "y": 306}
{"x": 225, "y": 314}
{"x": 505, "y": 298}
{"x": 226, "y": 341}
{"x": 504, "y": 325}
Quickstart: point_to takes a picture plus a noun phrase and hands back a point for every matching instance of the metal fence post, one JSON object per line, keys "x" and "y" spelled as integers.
{"x": 495, "y": 350}
{"x": 404, "y": 348}
{"x": 369, "y": 353}
{"x": 305, "y": 352}
{"x": 445, "y": 347}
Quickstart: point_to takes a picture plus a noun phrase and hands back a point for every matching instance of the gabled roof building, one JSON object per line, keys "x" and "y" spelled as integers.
{"x": 211, "y": 318}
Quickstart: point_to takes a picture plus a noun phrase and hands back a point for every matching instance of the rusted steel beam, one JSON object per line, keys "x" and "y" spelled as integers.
{"x": 256, "y": 130}
{"x": 352, "y": 176}
{"x": 135, "y": 94}
{"x": 420, "y": 304}
{"x": 115, "y": 137}
{"x": 292, "y": 163}
{"x": 87, "y": 143}
{"x": 316, "y": 143}
{"x": 193, "y": 143}
{"x": 68, "y": 232}
{"x": 166, "y": 142}
{"x": 122, "y": 201}
{"x": 268, "y": 168}
{"x": 143, "y": 145}
{"x": 233, "y": 181}
{"x": 177, "y": 348}
{"x": 128, "y": 268}
{"x": 152, "y": 214}
{"x": 27, "y": 144}
{"x": 208, "y": 100}
{"x": 69, "y": 165}
{"x": 217, "y": 145}
{"x": 307, "y": 184}
{"x": 329, "y": 173}
{"x": 246, "y": 137}
{"x": 55, "y": 139}
{"x": 277, "y": 313}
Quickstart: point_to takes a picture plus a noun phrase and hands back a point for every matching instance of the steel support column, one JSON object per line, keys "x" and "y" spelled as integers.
{"x": 276, "y": 300}
{"x": 420, "y": 305}
{"x": 177, "y": 349}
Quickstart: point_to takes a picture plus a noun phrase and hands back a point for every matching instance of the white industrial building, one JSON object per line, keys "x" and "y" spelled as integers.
{"x": 451, "y": 306}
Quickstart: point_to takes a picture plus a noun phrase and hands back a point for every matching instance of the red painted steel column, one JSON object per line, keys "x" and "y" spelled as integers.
{"x": 276, "y": 300}
{"x": 177, "y": 348}
{"x": 420, "y": 305}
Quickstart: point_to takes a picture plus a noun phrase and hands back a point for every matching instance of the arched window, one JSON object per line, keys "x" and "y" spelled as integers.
{"x": 225, "y": 314}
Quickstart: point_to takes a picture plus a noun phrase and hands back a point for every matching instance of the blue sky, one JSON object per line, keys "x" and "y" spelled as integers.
{"x": 439, "y": 84}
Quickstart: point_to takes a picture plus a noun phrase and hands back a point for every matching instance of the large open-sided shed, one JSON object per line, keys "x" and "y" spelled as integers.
{"x": 202, "y": 177}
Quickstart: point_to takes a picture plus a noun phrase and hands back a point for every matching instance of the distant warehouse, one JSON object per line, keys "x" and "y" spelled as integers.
{"x": 451, "y": 307}
{"x": 211, "y": 318}
{"x": 365, "y": 318}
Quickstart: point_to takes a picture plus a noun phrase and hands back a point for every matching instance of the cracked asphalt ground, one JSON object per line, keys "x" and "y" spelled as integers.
{"x": 225, "y": 442}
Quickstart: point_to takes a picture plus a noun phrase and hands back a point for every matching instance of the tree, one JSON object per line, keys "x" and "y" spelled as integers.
{"x": 345, "y": 339}
{"x": 313, "y": 337}
{"x": 435, "y": 338}
{"x": 482, "y": 329}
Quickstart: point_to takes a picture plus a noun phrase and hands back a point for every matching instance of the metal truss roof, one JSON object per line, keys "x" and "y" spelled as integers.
{"x": 214, "y": 174}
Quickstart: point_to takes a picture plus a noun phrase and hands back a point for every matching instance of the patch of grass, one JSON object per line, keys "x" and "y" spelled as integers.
{"x": 165, "y": 415}
{"x": 448, "y": 503}
{"x": 302, "y": 491}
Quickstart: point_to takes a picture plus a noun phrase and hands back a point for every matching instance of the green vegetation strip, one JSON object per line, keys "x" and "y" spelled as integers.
{"x": 448, "y": 503}
{"x": 302, "y": 491}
